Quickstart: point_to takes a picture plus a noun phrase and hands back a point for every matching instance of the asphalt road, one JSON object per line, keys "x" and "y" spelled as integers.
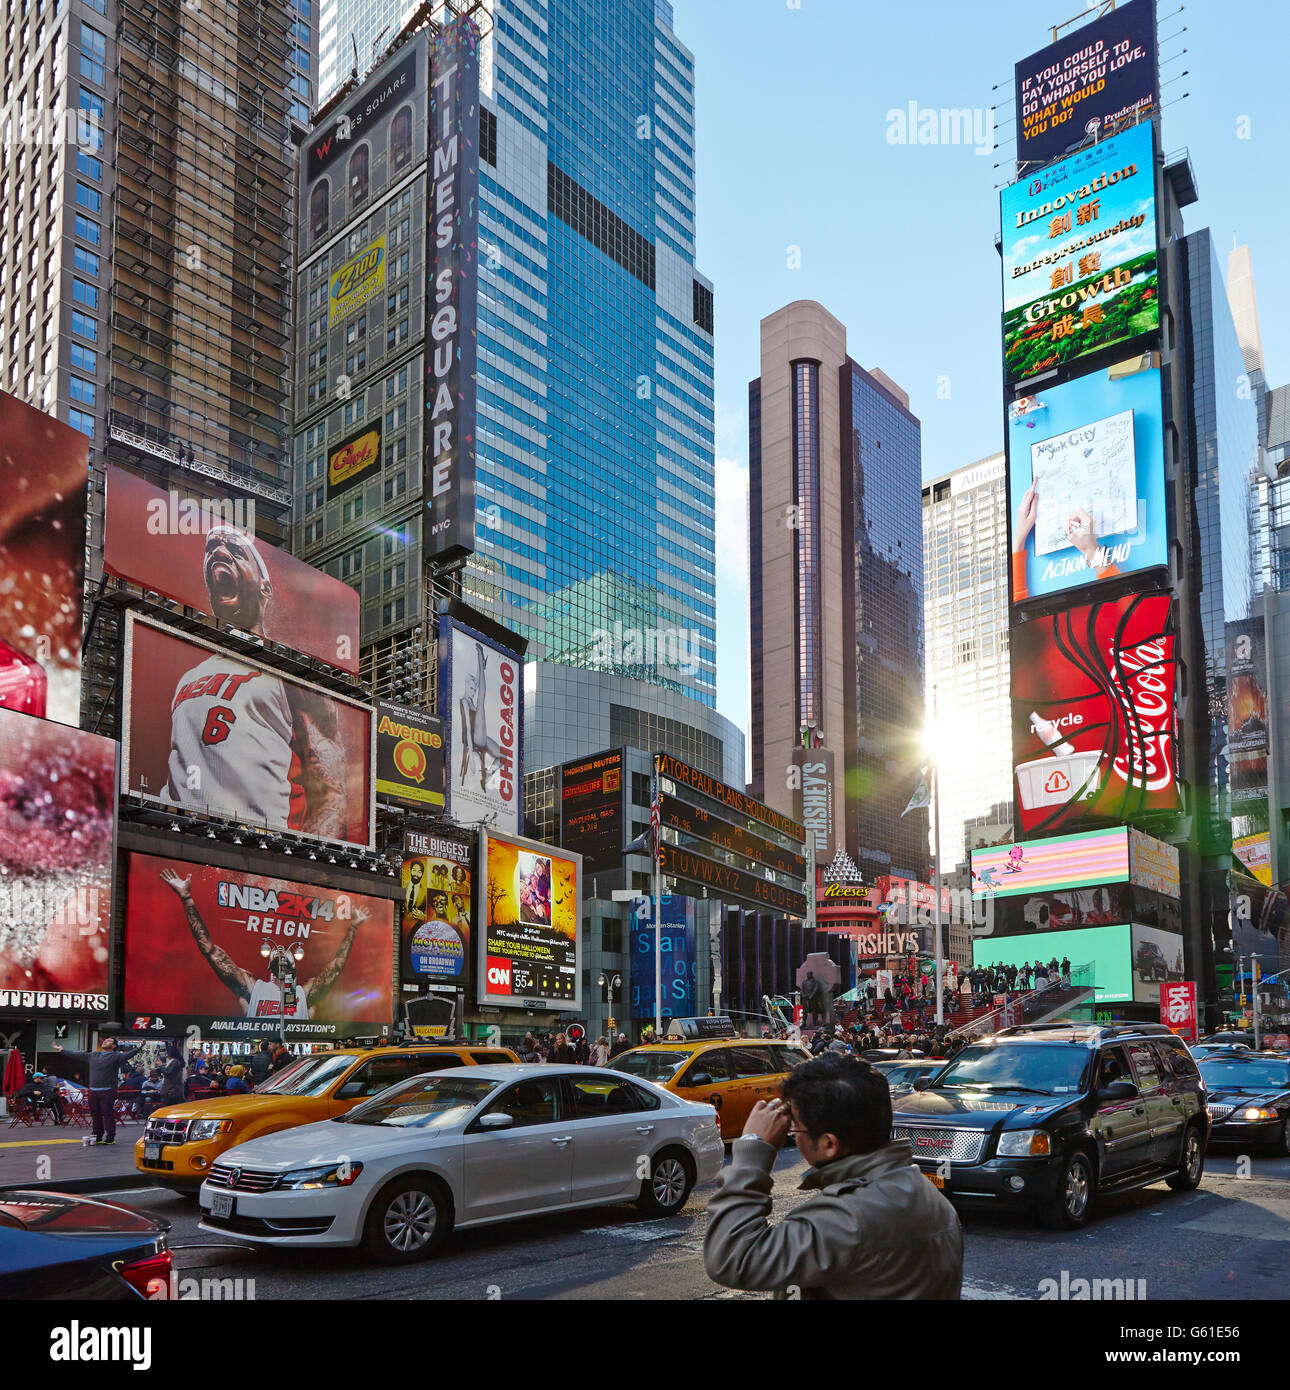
{"x": 1228, "y": 1240}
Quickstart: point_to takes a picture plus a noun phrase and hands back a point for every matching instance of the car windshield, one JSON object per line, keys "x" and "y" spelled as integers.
{"x": 1048, "y": 1069}
{"x": 310, "y": 1076}
{"x": 424, "y": 1102}
{"x": 1246, "y": 1076}
{"x": 651, "y": 1066}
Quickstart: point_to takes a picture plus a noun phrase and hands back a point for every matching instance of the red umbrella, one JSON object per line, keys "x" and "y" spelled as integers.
{"x": 15, "y": 1074}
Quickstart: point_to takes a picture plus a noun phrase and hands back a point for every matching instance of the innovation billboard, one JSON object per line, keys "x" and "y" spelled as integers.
{"x": 1098, "y": 76}
{"x": 44, "y": 493}
{"x": 207, "y": 731}
{"x": 530, "y": 947}
{"x": 1093, "y": 714}
{"x": 193, "y": 939}
{"x": 1079, "y": 255}
{"x": 1086, "y": 482}
{"x": 1108, "y": 949}
{"x": 57, "y": 816}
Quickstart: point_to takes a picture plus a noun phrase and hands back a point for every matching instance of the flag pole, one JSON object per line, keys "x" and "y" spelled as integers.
{"x": 936, "y": 886}
{"x": 657, "y": 827}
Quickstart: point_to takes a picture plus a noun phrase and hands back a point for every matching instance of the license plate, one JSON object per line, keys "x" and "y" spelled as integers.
{"x": 152, "y": 1152}
{"x": 935, "y": 1179}
{"x": 222, "y": 1204}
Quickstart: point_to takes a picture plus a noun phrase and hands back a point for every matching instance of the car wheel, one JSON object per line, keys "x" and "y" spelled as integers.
{"x": 1073, "y": 1200}
{"x": 1281, "y": 1144}
{"x": 408, "y": 1220}
{"x": 667, "y": 1189}
{"x": 1191, "y": 1165}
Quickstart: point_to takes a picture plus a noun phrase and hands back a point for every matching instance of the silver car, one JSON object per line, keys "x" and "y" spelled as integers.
{"x": 465, "y": 1147}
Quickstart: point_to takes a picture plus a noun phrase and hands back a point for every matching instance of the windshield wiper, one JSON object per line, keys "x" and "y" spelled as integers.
{"x": 1007, "y": 1086}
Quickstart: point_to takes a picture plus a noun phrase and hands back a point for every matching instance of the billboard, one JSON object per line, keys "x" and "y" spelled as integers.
{"x": 409, "y": 756}
{"x": 353, "y": 460}
{"x": 481, "y": 699}
{"x": 1079, "y": 255}
{"x": 1053, "y": 865}
{"x": 813, "y": 798}
{"x": 591, "y": 810}
{"x": 436, "y": 908}
{"x": 205, "y": 555}
{"x": 1096, "y": 77}
{"x": 194, "y": 939}
{"x": 206, "y": 731}
{"x": 1107, "y": 949}
{"x": 1157, "y": 959}
{"x": 1093, "y": 716}
{"x": 1154, "y": 865}
{"x": 57, "y": 814}
{"x": 1086, "y": 482}
{"x": 1247, "y": 716}
{"x": 1255, "y": 852}
{"x": 678, "y": 970}
{"x": 453, "y": 203}
{"x": 530, "y": 943}
{"x": 44, "y": 491}
{"x": 357, "y": 282}
{"x": 1178, "y": 1008}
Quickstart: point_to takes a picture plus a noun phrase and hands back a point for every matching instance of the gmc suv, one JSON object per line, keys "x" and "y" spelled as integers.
{"x": 1047, "y": 1116}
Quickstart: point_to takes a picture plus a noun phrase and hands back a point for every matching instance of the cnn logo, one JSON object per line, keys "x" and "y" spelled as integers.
{"x": 499, "y": 975}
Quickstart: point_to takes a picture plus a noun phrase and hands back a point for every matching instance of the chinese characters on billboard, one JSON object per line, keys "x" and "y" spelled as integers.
{"x": 1079, "y": 255}
{"x": 1093, "y": 714}
{"x": 44, "y": 486}
{"x": 194, "y": 941}
{"x": 532, "y": 910}
{"x": 209, "y": 732}
{"x": 57, "y": 811}
{"x": 437, "y": 882}
{"x": 1086, "y": 482}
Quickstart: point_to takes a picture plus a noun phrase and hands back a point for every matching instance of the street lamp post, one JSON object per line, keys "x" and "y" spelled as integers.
{"x": 267, "y": 950}
{"x": 610, "y": 986}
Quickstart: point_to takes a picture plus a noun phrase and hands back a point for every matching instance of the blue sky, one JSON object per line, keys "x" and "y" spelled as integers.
{"x": 898, "y": 240}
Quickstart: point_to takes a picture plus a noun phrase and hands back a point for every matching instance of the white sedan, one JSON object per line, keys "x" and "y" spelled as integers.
{"x": 464, "y": 1148}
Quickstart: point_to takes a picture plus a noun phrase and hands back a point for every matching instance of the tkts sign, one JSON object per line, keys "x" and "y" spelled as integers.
{"x": 1093, "y": 719}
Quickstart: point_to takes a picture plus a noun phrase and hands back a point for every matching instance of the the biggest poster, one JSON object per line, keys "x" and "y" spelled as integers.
{"x": 1079, "y": 255}
{"x": 209, "y": 732}
{"x": 530, "y": 945}
{"x": 57, "y": 809}
{"x": 233, "y": 952}
{"x": 205, "y": 555}
{"x": 1091, "y": 79}
{"x": 1086, "y": 482}
{"x": 44, "y": 482}
{"x": 1093, "y": 714}
{"x": 436, "y": 909}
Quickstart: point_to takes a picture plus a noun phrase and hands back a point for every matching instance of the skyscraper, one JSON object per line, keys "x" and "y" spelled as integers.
{"x": 595, "y": 531}
{"x": 836, "y": 590}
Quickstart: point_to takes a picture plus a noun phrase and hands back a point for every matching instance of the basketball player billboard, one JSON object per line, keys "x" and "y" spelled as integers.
{"x": 44, "y": 487}
{"x": 57, "y": 813}
{"x": 205, "y": 555}
{"x": 481, "y": 698}
{"x": 193, "y": 953}
{"x": 210, "y": 732}
{"x": 438, "y": 875}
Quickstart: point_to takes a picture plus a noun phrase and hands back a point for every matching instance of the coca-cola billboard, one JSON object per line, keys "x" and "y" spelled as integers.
{"x": 1093, "y": 715}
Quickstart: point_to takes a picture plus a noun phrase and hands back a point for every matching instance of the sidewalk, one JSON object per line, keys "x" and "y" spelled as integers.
{"x": 54, "y": 1158}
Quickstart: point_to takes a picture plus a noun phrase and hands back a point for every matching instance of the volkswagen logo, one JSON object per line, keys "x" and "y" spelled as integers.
{"x": 235, "y": 1177}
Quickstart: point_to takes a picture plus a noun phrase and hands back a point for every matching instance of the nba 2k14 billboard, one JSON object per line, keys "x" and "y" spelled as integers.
{"x": 205, "y": 555}
{"x": 194, "y": 954}
{"x": 213, "y": 733}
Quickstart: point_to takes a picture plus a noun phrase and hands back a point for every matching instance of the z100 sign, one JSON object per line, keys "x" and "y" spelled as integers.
{"x": 1093, "y": 718}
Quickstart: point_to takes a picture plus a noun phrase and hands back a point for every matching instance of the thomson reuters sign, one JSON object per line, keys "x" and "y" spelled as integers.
{"x": 409, "y": 756}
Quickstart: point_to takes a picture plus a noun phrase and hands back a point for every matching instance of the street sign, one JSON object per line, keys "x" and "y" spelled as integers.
{"x": 1178, "y": 1008}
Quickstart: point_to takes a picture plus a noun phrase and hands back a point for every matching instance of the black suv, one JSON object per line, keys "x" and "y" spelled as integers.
{"x": 1149, "y": 963}
{"x": 1049, "y": 1115}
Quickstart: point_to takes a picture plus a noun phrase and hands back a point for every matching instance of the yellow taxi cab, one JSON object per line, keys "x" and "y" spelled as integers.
{"x": 180, "y": 1142}
{"x": 705, "y": 1060}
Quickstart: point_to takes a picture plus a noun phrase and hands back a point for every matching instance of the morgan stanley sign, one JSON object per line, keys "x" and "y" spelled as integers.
{"x": 454, "y": 265}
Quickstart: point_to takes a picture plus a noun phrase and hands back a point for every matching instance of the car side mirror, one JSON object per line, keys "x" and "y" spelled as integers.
{"x": 922, "y": 1083}
{"x": 701, "y": 1079}
{"x": 1118, "y": 1090}
{"x": 497, "y": 1120}
{"x": 350, "y": 1090}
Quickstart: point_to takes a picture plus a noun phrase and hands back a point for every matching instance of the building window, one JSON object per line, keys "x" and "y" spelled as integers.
{"x": 79, "y": 420}
{"x": 85, "y": 326}
{"x": 88, "y": 197}
{"x": 85, "y": 293}
{"x": 82, "y": 390}
{"x": 85, "y": 261}
{"x": 487, "y": 136}
{"x": 88, "y": 230}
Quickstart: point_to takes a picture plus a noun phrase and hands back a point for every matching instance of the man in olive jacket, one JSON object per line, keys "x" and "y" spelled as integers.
{"x": 877, "y": 1228}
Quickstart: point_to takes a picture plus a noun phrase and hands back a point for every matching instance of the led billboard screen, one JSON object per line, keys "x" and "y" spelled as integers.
{"x": 1093, "y": 715}
{"x": 436, "y": 910}
{"x": 1094, "y": 77}
{"x": 1039, "y": 866}
{"x": 1157, "y": 960}
{"x": 57, "y": 812}
{"x": 1079, "y": 255}
{"x": 44, "y": 490}
{"x": 205, "y": 555}
{"x": 591, "y": 810}
{"x": 193, "y": 953}
{"x": 530, "y": 946}
{"x": 1107, "y": 949}
{"x": 678, "y": 962}
{"x": 207, "y": 731}
{"x": 1086, "y": 483}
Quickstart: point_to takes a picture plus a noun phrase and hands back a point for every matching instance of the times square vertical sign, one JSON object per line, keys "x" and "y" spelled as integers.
{"x": 453, "y": 213}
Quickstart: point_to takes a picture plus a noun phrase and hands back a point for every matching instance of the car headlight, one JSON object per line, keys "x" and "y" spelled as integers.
{"x": 1025, "y": 1143}
{"x": 328, "y": 1175}
{"x": 1258, "y": 1112}
{"x": 207, "y": 1129}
